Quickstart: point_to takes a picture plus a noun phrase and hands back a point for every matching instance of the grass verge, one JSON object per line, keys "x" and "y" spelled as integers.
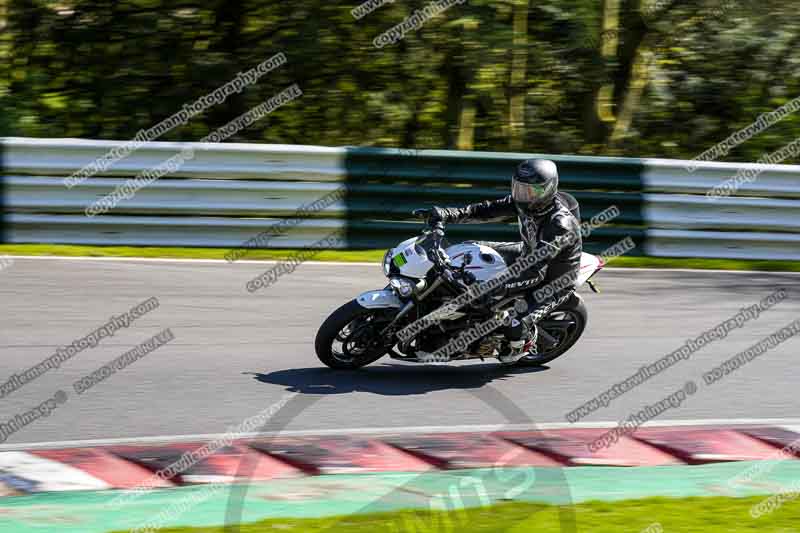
{"x": 707, "y": 514}
{"x": 68, "y": 250}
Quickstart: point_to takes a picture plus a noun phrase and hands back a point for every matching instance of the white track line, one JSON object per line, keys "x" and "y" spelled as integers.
{"x": 398, "y": 430}
{"x": 360, "y": 263}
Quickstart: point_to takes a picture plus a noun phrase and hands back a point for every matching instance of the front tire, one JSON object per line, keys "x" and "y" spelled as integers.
{"x": 349, "y": 338}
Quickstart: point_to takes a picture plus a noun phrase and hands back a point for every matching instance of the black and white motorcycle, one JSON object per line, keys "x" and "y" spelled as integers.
{"x": 423, "y": 278}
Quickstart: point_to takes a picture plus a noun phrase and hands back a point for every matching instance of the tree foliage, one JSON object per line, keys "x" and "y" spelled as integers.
{"x": 656, "y": 78}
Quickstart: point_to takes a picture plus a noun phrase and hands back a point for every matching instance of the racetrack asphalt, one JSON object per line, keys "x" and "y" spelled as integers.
{"x": 235, "y": 353}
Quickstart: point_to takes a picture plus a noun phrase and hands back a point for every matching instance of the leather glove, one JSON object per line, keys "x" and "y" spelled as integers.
{"x": 432, "y": 215}
{"x": 532, "y": 229}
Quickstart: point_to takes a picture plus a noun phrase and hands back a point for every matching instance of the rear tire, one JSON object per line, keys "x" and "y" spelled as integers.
{"x": 353, "y": 315}
{"x": 573, "y": 310}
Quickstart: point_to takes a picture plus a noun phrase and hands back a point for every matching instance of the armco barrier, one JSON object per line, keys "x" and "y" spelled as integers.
{"x": 230, "y": 192}
{"x": 721, "y": 244}
{"x": 774, "y": 181}
{"x": 731, "y": 213}
{"x": 61, "y": 157}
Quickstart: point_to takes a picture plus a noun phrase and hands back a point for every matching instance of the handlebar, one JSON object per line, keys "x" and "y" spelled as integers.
{"x": 435, "y": 235}
{"x": 438, "y": 256}
{"x": 437, "y": 253}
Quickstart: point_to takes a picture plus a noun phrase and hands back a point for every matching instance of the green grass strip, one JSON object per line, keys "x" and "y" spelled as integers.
{"x": 709, "y": 515}
{"x": 68, "y": 250}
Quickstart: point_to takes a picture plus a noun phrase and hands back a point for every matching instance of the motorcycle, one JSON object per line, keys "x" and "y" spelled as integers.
{"x": 425, "y": 275}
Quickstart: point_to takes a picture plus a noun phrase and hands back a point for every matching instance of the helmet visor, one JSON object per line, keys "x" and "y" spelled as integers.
{"x": 530, "y": 193}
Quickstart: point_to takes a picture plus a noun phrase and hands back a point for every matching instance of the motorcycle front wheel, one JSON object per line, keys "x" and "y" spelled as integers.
{"x": 350, "y": 337}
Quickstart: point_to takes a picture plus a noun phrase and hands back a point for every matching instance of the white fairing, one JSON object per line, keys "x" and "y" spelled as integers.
{"x": 417, "y": 263}
{"x": 486, "y": 263}
{"x": 589, "y": 265}
{"x": 379, "y": 299}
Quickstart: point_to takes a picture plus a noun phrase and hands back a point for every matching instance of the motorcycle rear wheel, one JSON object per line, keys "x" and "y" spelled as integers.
{"x": 566, "y": 324}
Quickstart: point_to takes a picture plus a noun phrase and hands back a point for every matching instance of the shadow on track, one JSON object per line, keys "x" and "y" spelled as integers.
{"x": 391, "y": 379}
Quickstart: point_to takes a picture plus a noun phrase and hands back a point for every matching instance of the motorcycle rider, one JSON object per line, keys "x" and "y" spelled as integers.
{"x": 545, "y": 223}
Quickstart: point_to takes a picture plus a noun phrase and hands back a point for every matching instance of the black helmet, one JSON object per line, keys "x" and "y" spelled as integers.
{"x": 534, "y": 185}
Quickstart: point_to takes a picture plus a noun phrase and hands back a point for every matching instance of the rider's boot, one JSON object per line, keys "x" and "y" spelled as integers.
{"x": 515, "y": 349}
{"x": 530, "y": 346}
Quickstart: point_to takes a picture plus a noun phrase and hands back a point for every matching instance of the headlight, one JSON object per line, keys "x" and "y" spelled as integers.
{"x": 403, "y": 286}
{"x": 387, "y": 262}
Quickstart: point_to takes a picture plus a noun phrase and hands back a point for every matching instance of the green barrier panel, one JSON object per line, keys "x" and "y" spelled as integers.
{"x": 384, "y": 185}
{"x": 364, "y": 235}
{"x": 397, "y": 201}
{"x": 495, "y": 168}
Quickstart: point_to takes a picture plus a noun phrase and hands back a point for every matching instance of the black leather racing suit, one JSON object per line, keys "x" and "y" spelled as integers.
{"x": 539, "y": 231}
